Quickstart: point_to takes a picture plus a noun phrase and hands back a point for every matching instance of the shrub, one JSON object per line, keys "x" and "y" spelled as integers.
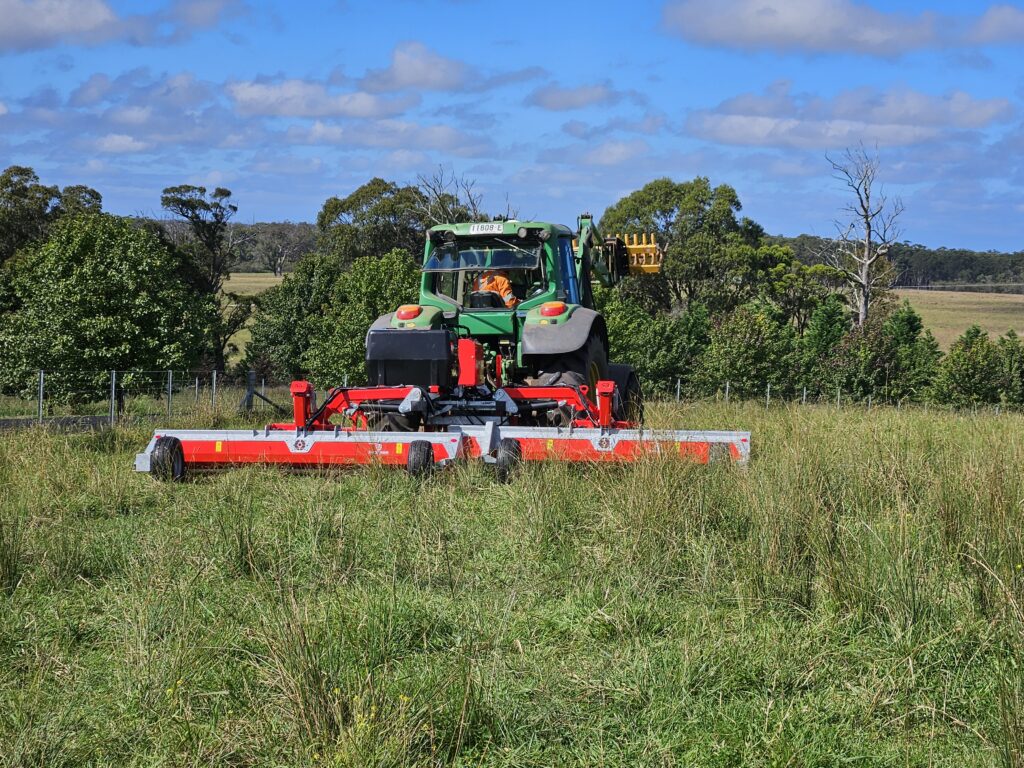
{"x": 750, "y": 349}
{"x": 661, "y": 347}
{"x": 100, "y": 294}
{"x": 970, "y": 373}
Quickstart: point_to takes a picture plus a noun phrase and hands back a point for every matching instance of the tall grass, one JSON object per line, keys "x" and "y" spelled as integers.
{"x": 854, "y": 595}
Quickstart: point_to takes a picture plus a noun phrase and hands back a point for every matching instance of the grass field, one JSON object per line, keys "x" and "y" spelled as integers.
{"x": 854, "y": 596}
{"x": 949, "y": 313}
{"x": 251, "y": 283}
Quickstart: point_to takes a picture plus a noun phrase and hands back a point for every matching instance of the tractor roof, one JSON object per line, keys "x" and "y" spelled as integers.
{"x": 509, "y": 228}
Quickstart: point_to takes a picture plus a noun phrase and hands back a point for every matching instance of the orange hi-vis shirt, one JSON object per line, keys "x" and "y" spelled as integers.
{"x": 496, "y": 283}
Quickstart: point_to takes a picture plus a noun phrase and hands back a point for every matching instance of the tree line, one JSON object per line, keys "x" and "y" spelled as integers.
{"x": 81, "y": 289}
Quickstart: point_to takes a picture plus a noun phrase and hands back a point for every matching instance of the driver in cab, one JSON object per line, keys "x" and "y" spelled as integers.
{"x": 496, "y": 281}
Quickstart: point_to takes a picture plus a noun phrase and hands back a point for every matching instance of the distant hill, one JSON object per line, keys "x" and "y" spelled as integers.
{"x": 919, "y": 266}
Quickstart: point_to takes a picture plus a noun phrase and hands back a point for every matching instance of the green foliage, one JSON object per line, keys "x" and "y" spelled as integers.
{"x": 971, "y": 373}
{"x": 891, "y": 357}
{"x": 749, "y": 349}
{"x": 697, "y": 225}
{"x": 28, "y": 208}
{"x": 661, "y": 347}
{"x": 99, "y": 294}
{"x": 378, "y": 217}
{"x": 211, "y": 253}
{"x": 288, "y": 316}
{"x": 825, "y": 330}
{"x": 371, "y": 287}
{"x": 1011, "y": 362}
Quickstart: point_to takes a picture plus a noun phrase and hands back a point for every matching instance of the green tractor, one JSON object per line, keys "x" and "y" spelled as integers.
{"x": 523, "y": 290}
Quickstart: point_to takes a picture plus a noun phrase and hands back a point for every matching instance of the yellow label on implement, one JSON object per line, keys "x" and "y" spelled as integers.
{"x": 398, "y": 448}
{"x": 551, "y": 444}
{"x": 217, "y": 446}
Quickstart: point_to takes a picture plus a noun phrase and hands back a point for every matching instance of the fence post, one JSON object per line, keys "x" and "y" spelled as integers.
{"x": 839, "y": 396}
{"x": 170, "y": 391}
{"x": 197, "y": 390}
{"x": 42, "y": 389}
{"x": 344, "y": 380}
{"x": 727, "y": 391}
{"x": 113, "y": 398}
{"x": 768, "y": 396}
{"x": 213, "y": 387}
{"x": 803, "y": 400}
{"x": 250, "y": 391}
{"x": 869, "y": 402}
{"x": 679, "y": 388}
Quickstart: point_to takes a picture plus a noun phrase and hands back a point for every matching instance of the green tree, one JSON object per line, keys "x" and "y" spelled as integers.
{"x": 825, "y": 330}
{"x": 27, "y": 208}
{"x": 914, "y": 354}
{"x": 695, "y": 223}
{"x": 750, "y": 349}
{"x": 369, "y": 288}
{"x": 100, "y": 294}
{"x": 287, "y": 317}
{"x": 970, "y": 373}
{"x": 212, "y": 254}
{"x": 1011, "y": 362}
{"x": 377, "y": 217}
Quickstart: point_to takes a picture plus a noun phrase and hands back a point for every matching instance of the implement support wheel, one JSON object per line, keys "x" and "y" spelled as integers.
{"x": 509, "y": 459}
{"x": 420, "y": 462}
{"x": 167, "y": 462}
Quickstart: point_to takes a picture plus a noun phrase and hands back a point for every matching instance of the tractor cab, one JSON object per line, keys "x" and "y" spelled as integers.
{"x": 496, "y": 266}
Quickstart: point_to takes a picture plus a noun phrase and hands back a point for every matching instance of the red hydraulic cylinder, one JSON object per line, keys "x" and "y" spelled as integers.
{"x": 605, "y": 390}
{"x": 302, "y": 401}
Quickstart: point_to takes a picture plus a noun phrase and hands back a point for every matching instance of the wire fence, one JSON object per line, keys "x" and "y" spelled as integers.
{"x": 84, "y": 399}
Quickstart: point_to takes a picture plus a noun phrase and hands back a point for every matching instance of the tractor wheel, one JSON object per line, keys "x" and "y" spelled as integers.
{"x": 509, "y": 459}
{"x": 167, "y": 462}
{"x": 589, "y": 363}
{"x": 420, "y": 461}
{"x": 629, "y": 400}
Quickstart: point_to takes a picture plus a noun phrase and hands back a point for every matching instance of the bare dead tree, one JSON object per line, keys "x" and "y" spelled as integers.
{"x": 860, "y": 250}
{"x": 448, "y": 198}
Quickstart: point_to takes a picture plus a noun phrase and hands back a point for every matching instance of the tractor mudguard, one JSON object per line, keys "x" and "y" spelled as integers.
{"x": 561, "y": 338}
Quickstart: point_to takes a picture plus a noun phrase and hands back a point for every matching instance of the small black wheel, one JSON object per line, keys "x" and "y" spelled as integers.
{"x": 629, "y": 398}
{"x": 167, "y": 462}
{"x": 509, "y": 459}
{"x": 420, "y": 461}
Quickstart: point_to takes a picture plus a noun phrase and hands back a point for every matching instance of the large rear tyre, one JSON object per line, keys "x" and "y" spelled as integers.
{"x": 509, "y": 460}
{"x": 629, "y": 398}
{"x": 167, "y": 462}
{"x": 420, "y": 461}
{"x": 589, "y": 363}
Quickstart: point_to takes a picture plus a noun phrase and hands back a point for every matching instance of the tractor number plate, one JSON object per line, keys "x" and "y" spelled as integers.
{"x": 490, "y": 228}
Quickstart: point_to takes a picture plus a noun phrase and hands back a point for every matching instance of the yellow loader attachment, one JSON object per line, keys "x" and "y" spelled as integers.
{"x": 645, "y": 255}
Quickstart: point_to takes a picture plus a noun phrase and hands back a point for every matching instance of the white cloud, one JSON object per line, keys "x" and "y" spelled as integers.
{"x": 120, "y": 143}
{"x": 3, "y": 108}
{"x": 131, "y": 115}
{"x": 34, "y": 24}
{"x": 413, "y": 65}
{"x": 835, "y": 26}
{"x": 615, "y": 152}
{"x": 998, "y": 24}
{"x": 559, "y": 99}
{"x": 39, "y": 23}
{"x": 303, "y": 98}
{"x": 391, "y": 134}
{"x": 898, "y": 117}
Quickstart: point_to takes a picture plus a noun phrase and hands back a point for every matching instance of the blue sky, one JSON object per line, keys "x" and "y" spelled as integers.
{"x": 555, "y": 107}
